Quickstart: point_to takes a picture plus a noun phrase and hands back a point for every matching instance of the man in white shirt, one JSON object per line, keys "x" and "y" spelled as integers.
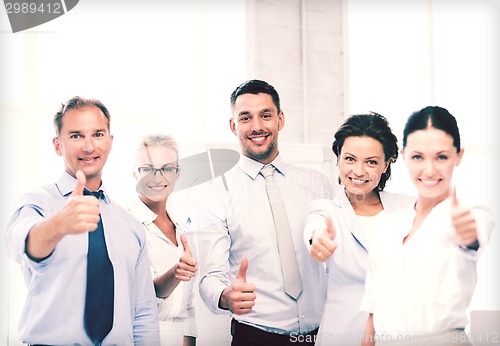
{"x": 65, "y": 233}
{"x": 241, "y": 269}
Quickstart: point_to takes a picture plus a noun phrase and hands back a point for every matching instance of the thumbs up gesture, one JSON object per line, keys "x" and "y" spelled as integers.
{"x": 187, "y": 266}
{"x": 240, "y": 296}
{"x": 463, "y": 222}
{"x": 81, "y": 213}
{"x": 323, "y": 241}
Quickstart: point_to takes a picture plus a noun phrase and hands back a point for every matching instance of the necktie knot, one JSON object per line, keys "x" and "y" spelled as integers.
{"x": 97, "y": 194}
{"x": 267, "y": 171}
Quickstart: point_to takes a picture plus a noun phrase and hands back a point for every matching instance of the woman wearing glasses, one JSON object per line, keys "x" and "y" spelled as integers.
{"x": 172, "y": 263}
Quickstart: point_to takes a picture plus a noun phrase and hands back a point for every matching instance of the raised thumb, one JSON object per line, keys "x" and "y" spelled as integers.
{"x": 330, "y": 227}
{"x": 453, "y": 194}
{"x": 81, "y": 180}
{"x": 242, "y": 273}
{"x": 185, "y": 244}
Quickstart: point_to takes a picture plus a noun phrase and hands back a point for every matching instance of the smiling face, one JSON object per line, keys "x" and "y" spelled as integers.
{"x": 84, "y": 143}
{"x": 431, "y": 158}
{"x": 256, "y": 122}
{"x": 361, "y": 164}
{"x": 154, "y": 185}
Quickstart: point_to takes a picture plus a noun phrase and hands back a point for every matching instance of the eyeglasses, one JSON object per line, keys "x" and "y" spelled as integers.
{"x": 165, "y": 170}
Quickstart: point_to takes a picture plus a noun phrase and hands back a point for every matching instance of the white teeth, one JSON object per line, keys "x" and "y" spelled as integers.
{"x": 429, "y": 182}
{"x": 258, "y": 139}
{"x": 157, "y": 188}
{"x": 358, "y": 181}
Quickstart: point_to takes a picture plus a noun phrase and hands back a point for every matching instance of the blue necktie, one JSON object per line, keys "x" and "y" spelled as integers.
{"x": 99, "y": 300}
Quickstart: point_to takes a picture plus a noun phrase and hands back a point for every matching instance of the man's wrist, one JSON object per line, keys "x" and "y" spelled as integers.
{"x": 222, "y": 304}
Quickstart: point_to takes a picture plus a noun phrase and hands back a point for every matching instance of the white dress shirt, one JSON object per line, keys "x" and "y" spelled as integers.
{"x": 163, "y": 255}
{"x": 422, "y": 287}
{"x": 236, "y": 221}
{"x": 54, "y": 308}
{"x": 342, "y": 322}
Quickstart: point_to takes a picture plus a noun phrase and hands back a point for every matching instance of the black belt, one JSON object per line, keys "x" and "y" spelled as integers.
{"x": 244, "y": 334}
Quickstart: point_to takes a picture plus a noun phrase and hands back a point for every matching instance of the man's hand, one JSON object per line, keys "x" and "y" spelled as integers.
{"x": 80, "y": 214}
{"x": 239, "y": 298}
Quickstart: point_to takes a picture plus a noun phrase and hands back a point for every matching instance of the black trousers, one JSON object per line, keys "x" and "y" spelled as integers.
{"x": 245, "y": 335}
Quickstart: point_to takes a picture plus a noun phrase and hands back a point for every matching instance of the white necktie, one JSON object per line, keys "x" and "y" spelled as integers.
{"x": 289, "y": 265}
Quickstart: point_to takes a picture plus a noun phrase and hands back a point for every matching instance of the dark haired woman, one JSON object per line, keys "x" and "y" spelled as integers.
{"x": 422, "y": 270}
{"x": 365, "y": 148}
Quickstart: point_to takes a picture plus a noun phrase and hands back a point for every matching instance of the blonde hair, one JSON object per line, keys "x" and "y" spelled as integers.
{"x": 166, "y": 141}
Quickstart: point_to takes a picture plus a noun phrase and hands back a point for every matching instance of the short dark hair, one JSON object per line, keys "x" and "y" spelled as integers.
{"x": 433, "y": 116}
{"x": 256, "y": 86}
{"x": 371, "y": 125}
{"x": 77, "y": 102}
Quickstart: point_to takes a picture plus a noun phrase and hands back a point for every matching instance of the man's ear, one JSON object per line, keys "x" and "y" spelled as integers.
{"x": 57, "y": 145}
{"x": 281, "y": 120}
{"x": 232, "y": 125}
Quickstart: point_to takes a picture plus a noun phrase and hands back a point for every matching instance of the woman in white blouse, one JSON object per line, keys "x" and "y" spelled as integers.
{"x": 365, "y": 148}
{"x": 172, "y": 263}
{"x": 422, "y": 270}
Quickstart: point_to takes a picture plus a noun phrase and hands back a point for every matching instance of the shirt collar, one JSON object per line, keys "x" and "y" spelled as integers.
{"x": 66, "y": 184}
{"x": 146, "y": 216}
{"x": 141, "y": 211}
{"x": 252, "y": 168}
